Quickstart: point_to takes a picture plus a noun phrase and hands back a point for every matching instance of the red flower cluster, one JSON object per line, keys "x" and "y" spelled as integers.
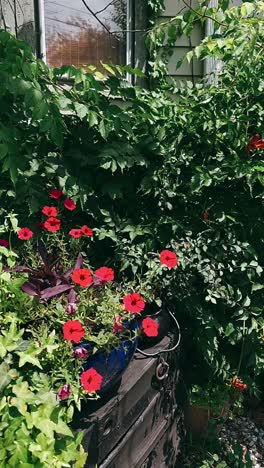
{"x": 205, "y": 215}
{"x": 4, "y": 243}
{"x": 56, "y": 194}
{"x": 105, "y": 274}
{"x": 80, "y": 352}
{"x": 50, "y": 211}
{"x": 75, "y": 233}
{"x": 91, "y": 380}
{"x": 73, "y": 331}
{"x": 25, "y": 234}
{"x": 52, "y": 224}
{"x": 237, "y": 383}
{"x": 83, "y": 231}
{"x": 168, "y": 258}
{"x": 64, "y": 392}
{"x": 118, "y": 324}
{"x": 134, "y": 303}
{"x": 86, "y": 231}
{"x": 82, "y": 276}
{"x": 150, "y": 327}
{"x": 255, "y": 143}
{"x": 69, "y": 204}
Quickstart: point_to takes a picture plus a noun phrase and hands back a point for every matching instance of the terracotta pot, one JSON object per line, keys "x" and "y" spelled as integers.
{"x": 197, "y": 418}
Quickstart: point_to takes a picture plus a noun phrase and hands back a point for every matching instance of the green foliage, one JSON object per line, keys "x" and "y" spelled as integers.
{"x": 33, "y": 425}
{"x": 155, "y": 172}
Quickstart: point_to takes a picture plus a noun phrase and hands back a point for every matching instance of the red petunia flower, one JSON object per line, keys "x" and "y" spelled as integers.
{"x": 73, "y": 331}
{"x": 25, "y": 234}
{"x": 91, "y": 380}
{"x": 118, "y": 324}
{"x": 52, "y": 224}
{"x": 50, "y": 211}
{"x": 105, "y": 274}
{"x": 237, "y": 383}
{"x": 75, "y": 233}
{"x": 81, "y": 352}
{"x": 82, "y": 276}
{"x": 168, "y": 258}
{"x": 134, "y": 303}
{"x": 4, "y": 243}
{"x": 69, "y": 204}
{"x": 56, "y": 194}
{"x": 150, "y": 327}
{"x": 255, "y": 143}
{"x": 64, "y": 392}
{"x": 86, "y": 231}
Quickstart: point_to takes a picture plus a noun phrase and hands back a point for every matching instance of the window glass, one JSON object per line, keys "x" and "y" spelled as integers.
{"x": 81, "y": 35}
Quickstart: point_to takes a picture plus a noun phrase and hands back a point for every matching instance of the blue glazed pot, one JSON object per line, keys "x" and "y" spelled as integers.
{"x": 112, "y": 365}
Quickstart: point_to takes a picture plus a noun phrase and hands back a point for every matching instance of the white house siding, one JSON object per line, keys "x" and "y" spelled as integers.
{"x": 187, "y": 71}
{"x": 17, "y": 17}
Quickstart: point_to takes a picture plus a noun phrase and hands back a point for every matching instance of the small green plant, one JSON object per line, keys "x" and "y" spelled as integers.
{"x": 34, "y": 427}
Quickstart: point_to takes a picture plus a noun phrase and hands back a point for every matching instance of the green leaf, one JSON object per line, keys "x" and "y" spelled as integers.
{"x": 3, "y": 150}
{"x": 93, "y": 118}
{"x": 229, "y": 329}
{"x": 81, "y": 110}
{"x": 102, "y": 129}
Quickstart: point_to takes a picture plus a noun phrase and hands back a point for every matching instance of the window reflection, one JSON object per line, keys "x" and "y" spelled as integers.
{"x": 75, "y": 37}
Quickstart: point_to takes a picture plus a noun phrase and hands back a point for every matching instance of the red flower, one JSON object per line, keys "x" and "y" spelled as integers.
{"x": 134, "y": 303}
{"x": 50, "y": 211}
{"x": 118, "y": 324}
{"x": 25, "y": 234}
{"x": 73, "y": 331}
{"x": 86, "y": 231}
{"x": 237, "y": 383}
{"x": 64, "y": 392}
{"x": 105, "y": 274}
{"x": 75, "y": 233}
{"x": 205, "y": 215}
{"x": 56, "y": 194}
{"x": 82, "y": 276}
{"x": 168, "y": 258}
{"x": 52, "y": 224}
{"x": 150, "y": 327}
{"x": 80, "y": 352}
{"x": 91, "y": 380}
{"x": 69, "y": 204}
{"x": 4, "y": 243}
{"x": 255, "y": 143}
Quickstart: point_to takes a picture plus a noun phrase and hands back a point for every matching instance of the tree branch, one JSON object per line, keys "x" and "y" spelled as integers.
{"x": 105, "y": 8}
{"x": 203, "y": 15}
{"x": 98, "y": 19}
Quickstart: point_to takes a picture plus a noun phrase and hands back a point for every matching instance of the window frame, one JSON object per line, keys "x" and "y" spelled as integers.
{"x": 42, "y": 47}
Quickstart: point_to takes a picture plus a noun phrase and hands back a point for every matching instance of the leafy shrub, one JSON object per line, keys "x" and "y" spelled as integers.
{"x": 156, "y": 172}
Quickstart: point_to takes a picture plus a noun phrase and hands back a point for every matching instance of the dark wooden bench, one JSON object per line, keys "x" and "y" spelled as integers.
{"x": 141, "y": 425}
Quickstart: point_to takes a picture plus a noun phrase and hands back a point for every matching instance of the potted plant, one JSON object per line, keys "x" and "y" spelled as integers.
{"x": 210, "y": 404}
{"x": 96, "y": 321}
{"x": 94, "y": 318}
